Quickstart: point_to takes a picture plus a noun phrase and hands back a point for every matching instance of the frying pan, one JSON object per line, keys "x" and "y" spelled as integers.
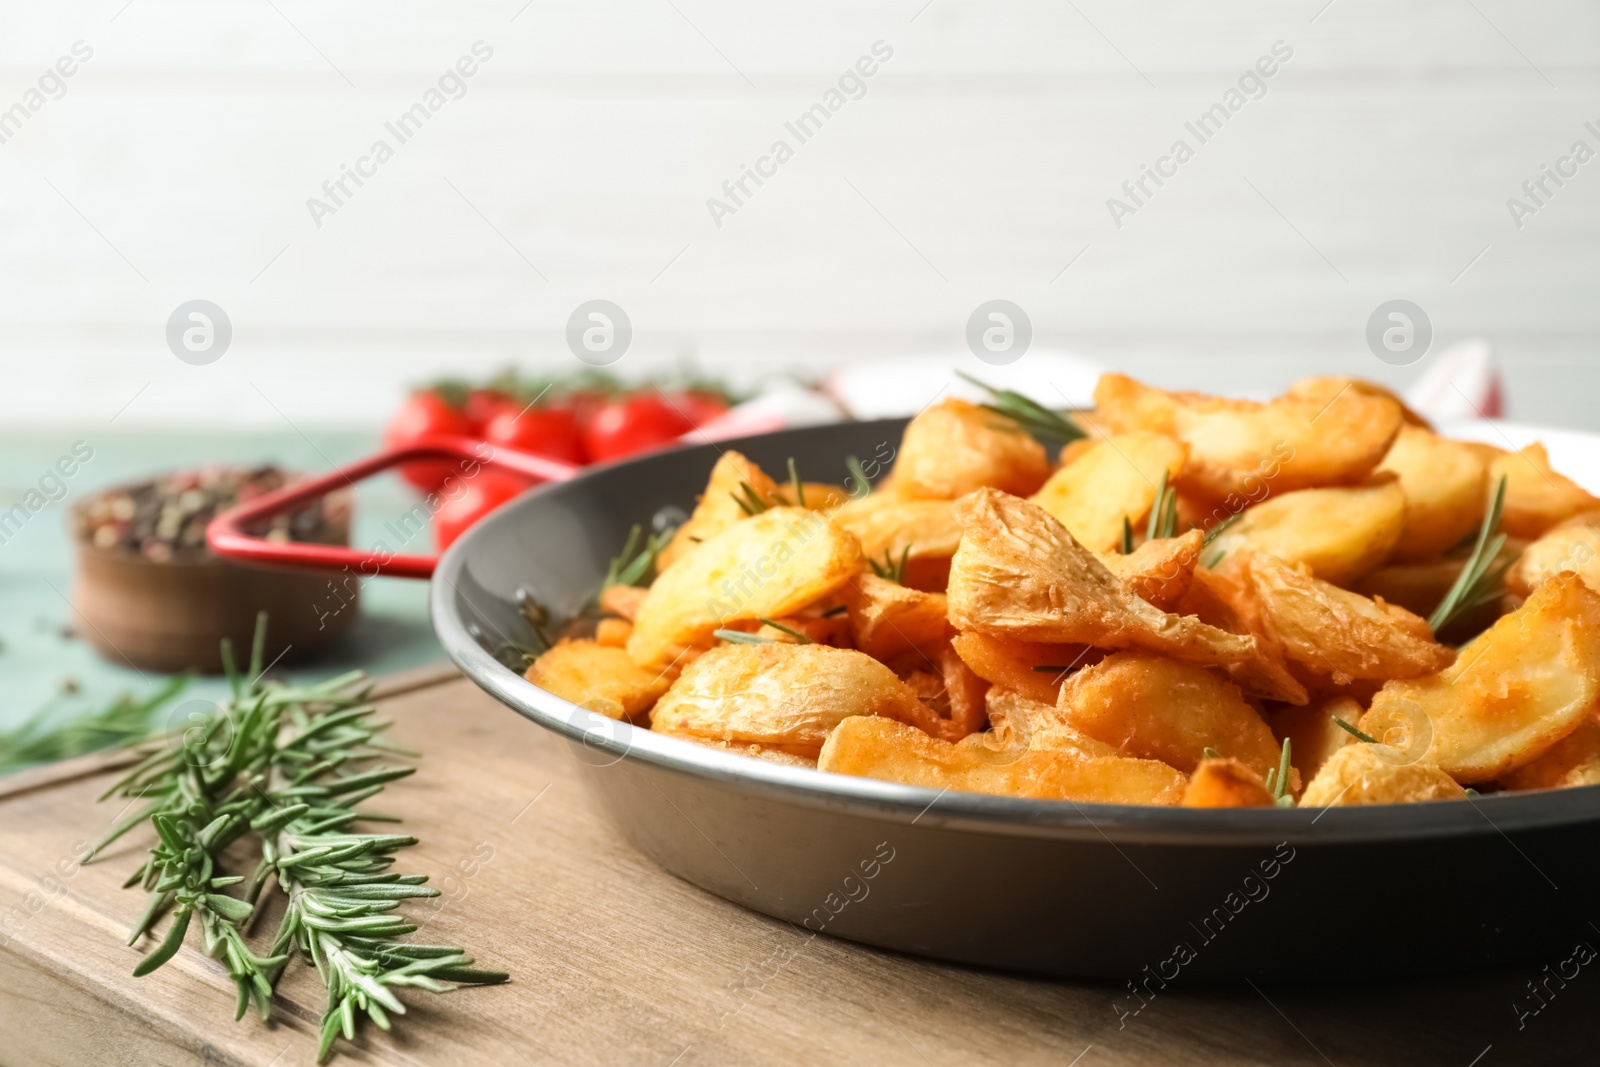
{"x": 1135, "y": 895}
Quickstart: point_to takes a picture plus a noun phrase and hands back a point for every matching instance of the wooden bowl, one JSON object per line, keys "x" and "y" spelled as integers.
{"x": 172, "y": 616}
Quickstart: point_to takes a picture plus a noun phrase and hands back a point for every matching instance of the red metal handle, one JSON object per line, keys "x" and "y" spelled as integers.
{"x": 226, "y": 535}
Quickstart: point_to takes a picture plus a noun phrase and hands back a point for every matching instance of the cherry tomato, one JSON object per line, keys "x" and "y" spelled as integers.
{"x": 633, "y": 424}
{"x": 548, "y": 431}
{"x": 483, "y": 405}
{"x": 479, "y": 495}
{"x": 699, "y": 405}
{"x": 425, "y": 413}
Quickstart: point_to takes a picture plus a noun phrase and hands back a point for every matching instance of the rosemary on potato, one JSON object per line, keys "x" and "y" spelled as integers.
{"x": 1048, "y": 426}
{"x": 1350, "y": 729}
{"x": 891, "y": 569}
{"x": 1278, "y": 779}
{"x": 1480, "y": 577}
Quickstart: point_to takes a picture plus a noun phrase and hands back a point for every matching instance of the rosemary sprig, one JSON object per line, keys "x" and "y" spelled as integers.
{"x": 1278, "y": 779}
{"x": 285, "y": 765}
{"x": 891, "y": 569}
{"x": 1163, "y": 513}
{"x": 1350, "y": 729}
{"x": 1479, "y": 580}
{"x": 126, "y": 720}
{"x": 1048, "y": 426}
{"x": 636, "y": 566}
{"x": 739, "y": 637}
{"x": 863, "y": 484}
{"x": 1210, "y": 753}
{"x": 1126, "y": 546}
{"x": 799, "y": 486}
{"x": 751, "y": 503}
{"x": 1210, "y": 554}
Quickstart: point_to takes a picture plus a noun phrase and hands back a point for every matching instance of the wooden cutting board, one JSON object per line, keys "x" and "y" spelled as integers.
{"x": 615, "y": 962}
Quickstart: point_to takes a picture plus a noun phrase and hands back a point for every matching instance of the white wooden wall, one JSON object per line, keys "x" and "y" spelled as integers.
{"x": 178, "y": 164}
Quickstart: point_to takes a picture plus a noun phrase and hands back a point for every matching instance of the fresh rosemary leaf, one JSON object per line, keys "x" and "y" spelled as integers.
{"x": 1479, "y": 580}
{"x": 796, "y": 634}
{"x": 1210, "y": 753}
{"x": 750, "y": 502}
{"x": 1349, "y": 729}
{"x": 1279, "y": 783}
{"x": 635, "y": 566}
{"x": 799, "y": 486}
{"x": 1163, "y": 513}
{"x": 1217, "y": 530}
{"x": 891, "y": 569}
{"x": 838, "y": 609}
{"x": 1048, "y": 426}
{"x": 739, "y": 637}
{"x": 122, "y": 722}
{"x": 863, "y": 484}
{"x": 1127, "y": 536}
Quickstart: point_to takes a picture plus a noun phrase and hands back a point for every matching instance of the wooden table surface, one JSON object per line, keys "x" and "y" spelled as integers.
{"x": 615, "y": 962}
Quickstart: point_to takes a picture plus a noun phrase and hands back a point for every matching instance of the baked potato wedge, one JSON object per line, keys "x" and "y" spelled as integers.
{"x": 1572, "y": 546}
{"x": 1338, "y": 634}
{"x": 1341, "y": 534}
{"x": 956, "y": 446}
{"x": 887, "y": 525}
{"x": 887, "y": 619}
{"x": 1108, "y": 483}
{"x": 1150, "y": 707}
{"x": 1226, "y": 783}
{"x": 771, "y": 564}
{"x": 1368, "y": 774}
{"x": 1019, "y": 574}
{"x": 599, "y": 677}
{"x": 790, "y": 696}
{"x": 1537, "y": 498}
{"x": 1520, "y": 687}
{"x": 1241, "y": 449}
{"x": 1017, "y": 724}
{"x": 1574, "y": 760}
{"x": 1324, "y": 389}
{"x": 890, "y": 751}
{"x": 719, "y": 506}
{"x": 1020, "y": 665}
{"x": 1443, "y": 482}
{"x": 1312, "y": 734}
{"x": 1159, "y": 572}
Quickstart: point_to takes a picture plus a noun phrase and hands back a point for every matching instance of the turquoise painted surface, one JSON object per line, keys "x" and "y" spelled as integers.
{"x": 39, "y": 657}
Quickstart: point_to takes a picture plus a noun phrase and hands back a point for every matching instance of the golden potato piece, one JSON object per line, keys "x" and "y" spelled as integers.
{"x": 718, "y": 508}
{"x": 1111, "y": 481}
{"x": 1226, "y": 783}
{"x": 1018, "y": 665}
{"x": 1537, "y": 498}
{"x": 1019, "y": 574}
{"x": 1341, "y": 534}
{"x": 1572, "y": 546}
{"x": 892, "y": 752}
{"x": 1159, "y": 571}
{"x": 1520, "y": 687}
{"x": 1224, "y": 599}
{"x": 1018, "y": 724}
{"x": 1443, "y": 482}
{"x": 1574, "y": 760}
{"x": 771, "y": 564}
{"x": 887, "y": 619}
{"x": 1324, "y": 390}
{"x": 789, "y": 696}
{"x": 770, "y": 753}
{"x": 1312, "y": 734}
{"x": 599, "y": 677}
{"x": 1371, "y": 774}
{"x": 622, "y": 601}
{"x": 955, "y": 447}
{"x": 1240, "y": 448}
{"x": 1151, "y": 707}
{"x": 887, "y": 524}
{"x": 613, "y": 633}
{"x": 1339, "y": 634}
